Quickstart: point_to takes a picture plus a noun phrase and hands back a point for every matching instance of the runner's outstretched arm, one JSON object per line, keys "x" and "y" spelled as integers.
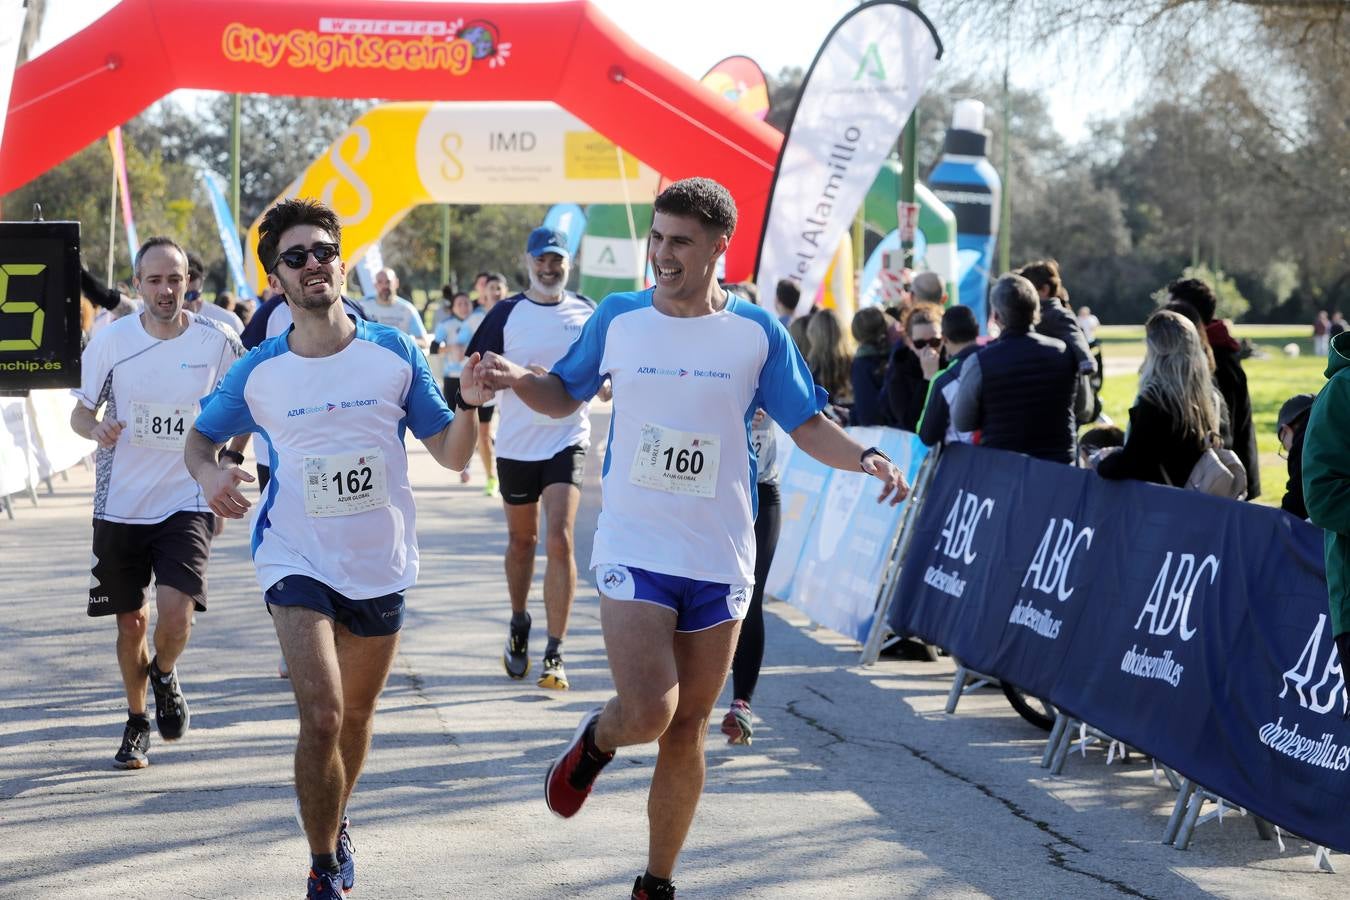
{"x": 453, "y": 445}
{"x": 543, "y": 393}
{"x": 828, "y": 443}
{"x": 219, "y": 481}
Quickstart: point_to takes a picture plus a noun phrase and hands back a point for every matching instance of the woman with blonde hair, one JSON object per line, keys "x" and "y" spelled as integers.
{"x": 1174, "y": 417}
{"x": 829, "y": 356}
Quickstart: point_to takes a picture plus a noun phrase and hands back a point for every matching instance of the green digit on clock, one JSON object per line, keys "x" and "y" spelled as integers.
{"x": 19, "y": 307}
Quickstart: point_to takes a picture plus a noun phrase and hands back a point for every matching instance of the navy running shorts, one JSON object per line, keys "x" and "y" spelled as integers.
{"x": 698, "y": 605}
{"x": 376, "y": 617}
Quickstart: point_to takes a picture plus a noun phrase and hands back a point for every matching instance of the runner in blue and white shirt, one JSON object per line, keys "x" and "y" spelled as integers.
{"x": 335, "y": 540}
{"x": 539, "y": 457}
{"x": 388, "y": 308}
{"x": 674, "y": 550}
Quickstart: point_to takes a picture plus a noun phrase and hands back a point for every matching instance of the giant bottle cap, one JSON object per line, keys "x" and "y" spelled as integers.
{"x": 967, "y": 136}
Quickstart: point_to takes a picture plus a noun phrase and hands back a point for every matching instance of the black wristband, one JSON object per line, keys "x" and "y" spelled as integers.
{"x": 233, "y": 456}
{"x": 461, "y": 403}
{"x": 873, "y": 451}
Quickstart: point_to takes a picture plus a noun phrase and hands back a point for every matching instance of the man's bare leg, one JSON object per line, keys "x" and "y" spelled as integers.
{"x": 640, "y": 644}
{"x": 309, "y": 644}
{"x": 703, "y": 659}
{"x": 485, "y": 449}
{"x": 522, "y": 537}
{"x": 173, "y": 626}
{"x": 560, "y": 503}
{"x": 133, "y": 657}
{"x": 363, "y": 663}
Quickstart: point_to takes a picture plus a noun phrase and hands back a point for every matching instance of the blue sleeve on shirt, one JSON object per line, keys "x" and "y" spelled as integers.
{"x": 491, "y": 334}
{"x": 426, "y": 411}
{"x": 225, "y": 412}
{"x": 579, "y": 369}
{"x": 787, "y": 392}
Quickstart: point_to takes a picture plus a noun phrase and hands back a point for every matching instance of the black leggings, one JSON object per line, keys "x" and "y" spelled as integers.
{"x": 750, "y": 647}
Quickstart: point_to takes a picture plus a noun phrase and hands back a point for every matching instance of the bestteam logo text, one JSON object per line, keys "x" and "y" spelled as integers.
{"x": 329, "y": 407}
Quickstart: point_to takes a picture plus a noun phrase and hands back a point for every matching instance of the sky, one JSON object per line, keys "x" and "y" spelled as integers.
{"x": 694, "y": 34}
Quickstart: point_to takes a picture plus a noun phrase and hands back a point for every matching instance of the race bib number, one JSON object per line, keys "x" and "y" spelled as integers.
{"x": 161, "y": 426}
{"x": 344, "y": 484}
{"x": 678, "y": 462}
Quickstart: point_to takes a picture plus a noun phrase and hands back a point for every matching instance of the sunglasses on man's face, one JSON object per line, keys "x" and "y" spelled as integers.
{"x": 295, "y": 257}
{"x": 934, "y": 342}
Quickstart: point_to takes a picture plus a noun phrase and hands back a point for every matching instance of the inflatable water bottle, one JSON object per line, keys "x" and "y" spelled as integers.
{"x": 968, "y": 184}
{"x": 613, "y": 258}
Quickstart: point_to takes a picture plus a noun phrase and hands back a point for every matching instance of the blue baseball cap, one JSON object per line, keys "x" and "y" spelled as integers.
{"x": 546, "y": 240}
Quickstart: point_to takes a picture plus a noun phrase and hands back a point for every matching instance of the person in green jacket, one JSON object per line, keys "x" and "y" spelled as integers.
{"x": 1326, "y": 484}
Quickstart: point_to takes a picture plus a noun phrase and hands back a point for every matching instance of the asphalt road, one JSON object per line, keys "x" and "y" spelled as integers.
{"x": 857, "y": 784}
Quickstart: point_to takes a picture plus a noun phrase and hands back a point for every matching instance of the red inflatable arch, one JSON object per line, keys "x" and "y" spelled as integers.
{"x": 567, "y": 52}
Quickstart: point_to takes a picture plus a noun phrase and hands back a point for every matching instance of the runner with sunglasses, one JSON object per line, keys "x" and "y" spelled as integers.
{"x": 335, "y": 542}
{"x": 147, "y": 372}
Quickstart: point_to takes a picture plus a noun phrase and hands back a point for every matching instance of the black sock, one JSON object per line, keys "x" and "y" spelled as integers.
{"x": 651, "y": 884}
{"x": 324, "y": 862}
{"x": 554, "y": 645}
{"x": 138, "y": 720}
{"x": 520, "y": 620}
{"x": 588, "y": 743}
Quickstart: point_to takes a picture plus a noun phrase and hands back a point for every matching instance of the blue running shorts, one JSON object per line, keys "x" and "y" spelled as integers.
{"x": 376, "y": 617}
{"x": 698, "y": 605}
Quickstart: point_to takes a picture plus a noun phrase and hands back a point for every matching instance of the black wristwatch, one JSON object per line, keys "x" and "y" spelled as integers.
{"x": 873, "y": 451}
{"x": 233, "y": 456}
{"x": 461, "y": 403}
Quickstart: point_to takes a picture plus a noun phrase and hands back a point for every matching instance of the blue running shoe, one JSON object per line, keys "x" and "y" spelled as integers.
{"x": 345, "y": 854}
{"x": 323, "y": 886}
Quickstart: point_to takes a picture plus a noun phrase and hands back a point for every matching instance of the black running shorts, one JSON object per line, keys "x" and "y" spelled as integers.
{"x": 175, "y": 551}
{"x": 522, "y": 481}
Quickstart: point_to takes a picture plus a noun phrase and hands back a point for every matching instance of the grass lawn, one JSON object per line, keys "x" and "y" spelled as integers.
{"x": 1271, "y": 381}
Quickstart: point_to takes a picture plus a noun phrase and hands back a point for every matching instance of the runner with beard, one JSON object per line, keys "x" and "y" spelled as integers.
{"x": 539, "y": 458}
{"x": 335, "y": 542}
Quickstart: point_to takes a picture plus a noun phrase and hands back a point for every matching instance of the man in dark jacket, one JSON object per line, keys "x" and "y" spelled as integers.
{"x": 1059, "y": 323}
{"x": 1018, "y": 391}
{"x": 1290, "y": 426}
{"x": 1228, "y": 375}
{"x": 959, "y": 334}
{"x": 1326, "y": 484}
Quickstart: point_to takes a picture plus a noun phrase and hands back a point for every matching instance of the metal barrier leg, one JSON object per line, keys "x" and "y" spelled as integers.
{"x": 1187, "y": 829}
{"x": 1062, "y": 750}
{"x": 1178, "y": 810}
{"x": 1263, "y": 829}
{"x": 958, "y": 688}
{"x": 1056, "y": 732}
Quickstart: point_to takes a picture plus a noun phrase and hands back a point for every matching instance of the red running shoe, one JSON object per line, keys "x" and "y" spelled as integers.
{"x": 572, "y": 774}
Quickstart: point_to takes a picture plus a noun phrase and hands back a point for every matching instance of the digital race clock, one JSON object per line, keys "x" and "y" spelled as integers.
{"x": 39, "y": 305}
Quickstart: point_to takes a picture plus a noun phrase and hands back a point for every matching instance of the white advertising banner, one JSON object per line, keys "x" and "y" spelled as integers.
{"x": 856, "y": 98}
{"x": 18, "y": 465}
{"x": 11, "y": 30}
{"x": 58, "y": 446}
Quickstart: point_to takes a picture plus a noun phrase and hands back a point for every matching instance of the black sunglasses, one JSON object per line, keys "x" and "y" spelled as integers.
{"x": 934, "y": 342}
{"x": 295, "y": 257}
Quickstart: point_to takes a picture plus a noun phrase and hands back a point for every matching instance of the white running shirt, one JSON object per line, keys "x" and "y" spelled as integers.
{"x": 398, "y": 314}
{"x": 534, "y": 334}
{"x": 223, "y": 316}
{"x": 152, "y": 386}
{"x": 343, "y": 415}
{"x": 685, "y": 391}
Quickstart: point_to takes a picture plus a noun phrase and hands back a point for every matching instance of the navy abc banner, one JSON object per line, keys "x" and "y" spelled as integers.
{"x": 1193, "y": 628}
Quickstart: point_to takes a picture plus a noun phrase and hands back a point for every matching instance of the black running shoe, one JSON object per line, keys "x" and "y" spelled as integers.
{"x": 135, "y": 748}
{"x": 516, "y": 658}
{"x": 663, "y": 892}
{"x": 172, "y": 715}
{"x": 346, "y": 855}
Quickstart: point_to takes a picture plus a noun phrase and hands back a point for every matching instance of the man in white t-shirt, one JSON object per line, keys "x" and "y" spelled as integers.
{"x": 674, "y": 549}
{"x": 539, "y": 457}
{"x": 388, "y": 308}
{"x": 335, "y": 542}
{"x": 146, "y": 373}
{"x": 192, "y": 299}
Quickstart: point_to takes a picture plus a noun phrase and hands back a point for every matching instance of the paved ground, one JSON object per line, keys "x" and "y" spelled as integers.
{"x": 857, "y": 786}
